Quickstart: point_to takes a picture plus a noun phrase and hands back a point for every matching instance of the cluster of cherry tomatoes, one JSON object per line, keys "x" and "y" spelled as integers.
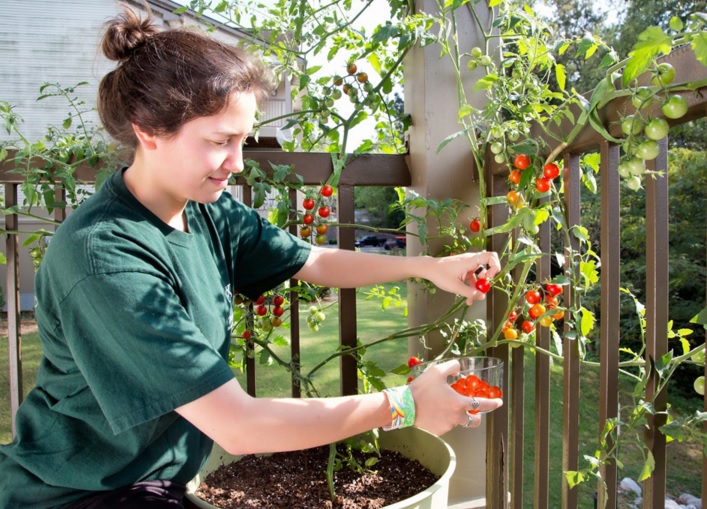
{"x": 541, "y": 306}
{"x": 473, "y": 386}
{"x": 352, "y": 84}
{"x": 269, "y": 311}
{"x": 643, "y": 132}
{"x": 315, "y": 221}
{"x": 543, "y": 183}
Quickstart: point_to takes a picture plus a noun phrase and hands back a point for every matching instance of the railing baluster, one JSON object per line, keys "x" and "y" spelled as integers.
{"x": 497, "y": 457}
{"x": 347, "y": 296}
{"x": 571, "y": 401}
{"x": 610, "y": 242}
{"x": 657, "y": 251}
{"x": 542, "y": 385}
{"x": 295, "y": 346}
{"x": 14, "y": 339}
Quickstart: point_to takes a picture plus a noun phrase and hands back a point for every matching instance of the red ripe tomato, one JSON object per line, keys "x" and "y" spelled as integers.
{"x": 542, "y": 185}
{"x": 536, "y": 311}
{"x": 553, "y": 289}
{"x": 308, "y": 219}
{"x": 278, "y": 300}
{"x": 521, "y": 161}
{"x": 278, "y": 310}
{"x": 413, "y": 361}
{"x": 551, "y": 171}
{"x": 327, "y": 190}
{"x": 246, "y": 334}
{"x": 260, "y": 300}
{"x": 513, "y": 316}
{"x": 482, "y": 285}
{"x": 460, "y": 386}
{"x": 514, "y": 176}
{"x": 533, "y": 297}
{"x": 495, "y": 392}
{"x": 475, "y": 225}
{"x": 308, "y": 204}
{"x": 527, "y": 326}
{"x": 261, "y": 310}
{"x": 324, "y": 211}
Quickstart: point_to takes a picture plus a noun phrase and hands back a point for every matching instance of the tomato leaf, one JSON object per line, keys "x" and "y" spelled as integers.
{"x": 648, "y": 466}
{"x": 650, "y": 42}
{"x": 699, "y": 46}
{"x": 450, "y": 138}
{"x": 561, "y": 76}
{"x": 485, "y": 83}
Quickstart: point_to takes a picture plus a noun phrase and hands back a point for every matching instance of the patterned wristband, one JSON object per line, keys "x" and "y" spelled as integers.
{"x": 402, "y": 407}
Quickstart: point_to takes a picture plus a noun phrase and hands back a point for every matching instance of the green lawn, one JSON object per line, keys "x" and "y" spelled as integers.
{"x": 684, "y": 459}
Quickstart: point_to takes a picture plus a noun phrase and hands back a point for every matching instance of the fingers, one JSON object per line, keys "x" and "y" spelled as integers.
{"x": 478, "y": 406}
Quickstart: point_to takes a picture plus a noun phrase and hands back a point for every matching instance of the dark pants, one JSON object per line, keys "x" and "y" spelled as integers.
{"x": 144, "y": 495}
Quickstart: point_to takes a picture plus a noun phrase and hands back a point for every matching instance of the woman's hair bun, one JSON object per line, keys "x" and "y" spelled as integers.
{"x": 126, "y": 32}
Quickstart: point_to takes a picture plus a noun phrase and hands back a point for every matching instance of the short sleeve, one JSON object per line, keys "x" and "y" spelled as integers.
{"x": 265, "y": 255}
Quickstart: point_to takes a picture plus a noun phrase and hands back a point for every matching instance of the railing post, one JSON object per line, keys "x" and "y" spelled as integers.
{"x": 657, "y": 280}
{"x": 14, "y": 339}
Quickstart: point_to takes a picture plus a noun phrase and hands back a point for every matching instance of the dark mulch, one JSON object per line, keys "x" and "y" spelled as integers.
{"x": 297, "y": 479}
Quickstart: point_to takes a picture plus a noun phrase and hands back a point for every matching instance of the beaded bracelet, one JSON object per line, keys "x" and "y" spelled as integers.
{"x": 402, "y": 407}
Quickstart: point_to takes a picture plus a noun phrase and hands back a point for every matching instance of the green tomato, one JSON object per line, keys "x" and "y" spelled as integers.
{"x": 636, "y": 167}
{"x": 664, "y": 74}
{"x": 476, "y": 52}
{"x": 513, "y": 135}
{"x": 336, "y": 93}
{"x": 675, "y": 107}
{"x": 499, "y": 158}
{"x": 485, "y": 60}
{"x": 497, "y": 147}
{"x": 471, "y": 65}
{"x": 313, "y": 309}
{"x": 657, "y": 129}
{"x": 699, "y": 385}
{"x": 631, "y": 125}
{"x": 699, "y": 357}
{"x": 634, "y": 183}
{"x": 624, "y": 170}
{"x": 642, "y": 98}
{"x": 648, "y": 150}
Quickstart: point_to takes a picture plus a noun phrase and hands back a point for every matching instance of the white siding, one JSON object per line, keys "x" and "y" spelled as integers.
{"x": 49, "y": 41}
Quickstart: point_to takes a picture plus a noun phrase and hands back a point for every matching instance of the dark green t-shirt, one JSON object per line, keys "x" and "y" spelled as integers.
{"x": 135, "y": 320}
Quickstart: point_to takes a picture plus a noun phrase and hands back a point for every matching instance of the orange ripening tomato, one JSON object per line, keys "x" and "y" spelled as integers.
{"x": 512, "y": 198}
{"x": 514, "y": 176}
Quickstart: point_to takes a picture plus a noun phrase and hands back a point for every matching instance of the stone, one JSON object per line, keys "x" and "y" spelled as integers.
{"x": 628, "y": 484}
{"x": 689, "y": 500}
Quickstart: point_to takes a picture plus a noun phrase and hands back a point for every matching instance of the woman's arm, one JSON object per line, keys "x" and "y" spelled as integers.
{"x": 242, "y": 424}
{"x": 340, "y": 268}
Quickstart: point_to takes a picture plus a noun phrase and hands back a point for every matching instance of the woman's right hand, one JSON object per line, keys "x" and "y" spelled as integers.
{"x": 438, "y": 407}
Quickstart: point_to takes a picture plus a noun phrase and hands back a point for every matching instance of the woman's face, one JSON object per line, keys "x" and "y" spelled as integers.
{"x": 197, "y": 162}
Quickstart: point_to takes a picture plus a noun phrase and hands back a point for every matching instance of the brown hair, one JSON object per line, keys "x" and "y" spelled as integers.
{"x": 167, "y": 78}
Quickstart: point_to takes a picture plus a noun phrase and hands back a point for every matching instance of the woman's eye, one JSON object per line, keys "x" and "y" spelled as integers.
{"x": 221, "y": 143}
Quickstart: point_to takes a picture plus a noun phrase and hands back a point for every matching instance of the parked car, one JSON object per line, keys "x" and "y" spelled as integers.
{"x": 399, "y": 242}
{"x": 370, "y": 240}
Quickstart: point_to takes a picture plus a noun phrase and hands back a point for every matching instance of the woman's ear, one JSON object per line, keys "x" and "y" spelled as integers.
{"x": 147, "y": 140}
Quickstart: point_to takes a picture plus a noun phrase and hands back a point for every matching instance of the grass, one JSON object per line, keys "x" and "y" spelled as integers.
{"x": 684, "y": 460}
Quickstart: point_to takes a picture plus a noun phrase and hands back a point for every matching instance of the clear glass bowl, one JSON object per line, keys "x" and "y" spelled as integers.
{"x": 480, "y": 377}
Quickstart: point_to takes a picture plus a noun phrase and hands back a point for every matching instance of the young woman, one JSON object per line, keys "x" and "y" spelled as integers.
{"x": 135, "y": 299}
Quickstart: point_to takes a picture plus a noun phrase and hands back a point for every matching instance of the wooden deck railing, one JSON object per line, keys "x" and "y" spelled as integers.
{"x": 506, "y": 435}
{"x": 506, "y": 426}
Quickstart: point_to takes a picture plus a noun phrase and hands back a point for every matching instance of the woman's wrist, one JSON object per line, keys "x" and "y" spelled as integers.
{"x": 402, "y": 407}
